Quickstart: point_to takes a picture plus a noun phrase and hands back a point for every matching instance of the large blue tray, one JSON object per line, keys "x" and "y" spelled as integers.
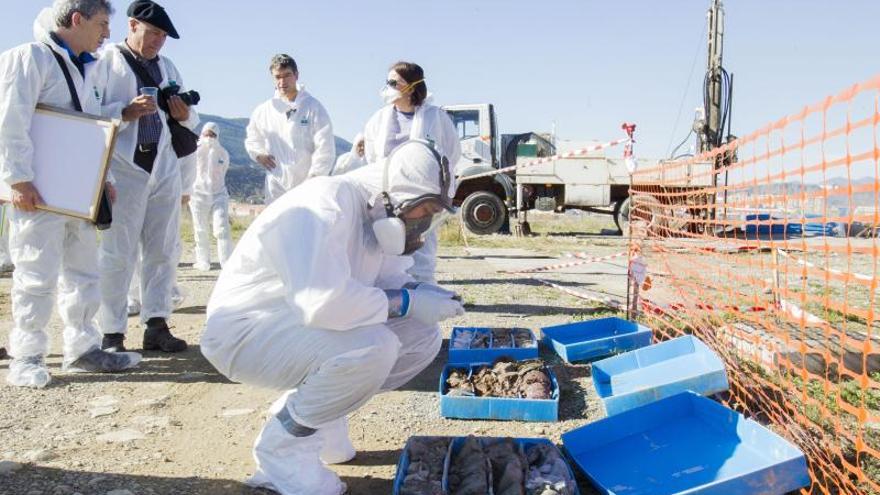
{"x": 645, "y": 375}
{"x": 495, "y": 350}
{"x": 455, "y": 444}
{"x": 685, "y": 444}
{"x": 593, "y": 339}
{"x": 498, "y": 407}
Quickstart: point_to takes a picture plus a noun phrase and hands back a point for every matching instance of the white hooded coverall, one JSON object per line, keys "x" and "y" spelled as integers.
{"x": 350, "y": 160}
{"x": 187, "y": 177}
{"x": 432, "y": 124}
{"x": 300, "y": 307}
{"x": 209, "y": 203}
{"x": 298, "y": 134}
{"x": 5, "y": 259}
{"x": 48, "y": 249}
{"x": 148, "y": 211}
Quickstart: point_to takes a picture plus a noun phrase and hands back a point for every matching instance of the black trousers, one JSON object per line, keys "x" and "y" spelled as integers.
{"x": 145, "y": 156}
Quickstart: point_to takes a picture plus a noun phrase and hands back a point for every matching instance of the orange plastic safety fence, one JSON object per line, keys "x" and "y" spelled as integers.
{"x": 767, "y": 249}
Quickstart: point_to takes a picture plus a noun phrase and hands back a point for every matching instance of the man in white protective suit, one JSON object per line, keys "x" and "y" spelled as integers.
{"x": 351, "y": 160}
{"x": 290, "y": 135}
{"x": 6, "y": 265}
{"x": 315, "y": 301}
{"x": 209, "y": 203}
{"x": 51, "y": 251}
{"x": 145, "y": 166}
{"x": 178, "y": 294}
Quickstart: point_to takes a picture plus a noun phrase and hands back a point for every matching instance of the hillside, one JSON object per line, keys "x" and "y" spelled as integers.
{"x": 245, "y": 178}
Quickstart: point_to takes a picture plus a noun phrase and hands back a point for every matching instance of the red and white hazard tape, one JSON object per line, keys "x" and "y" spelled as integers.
{"x": 679, "y": 307}
{"x": 607, "y": 301}
{"x": 570, "y": 154}
{"x": 784, "y": 306}
{"x": 569, "y": 264}
{"x": 857, "y": 276}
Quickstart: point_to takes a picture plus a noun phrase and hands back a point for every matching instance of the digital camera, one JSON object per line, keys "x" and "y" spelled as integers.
{"x": 191, "y": 97}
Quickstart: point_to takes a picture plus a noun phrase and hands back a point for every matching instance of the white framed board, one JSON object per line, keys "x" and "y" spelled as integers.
{"x": 72, "y": 152}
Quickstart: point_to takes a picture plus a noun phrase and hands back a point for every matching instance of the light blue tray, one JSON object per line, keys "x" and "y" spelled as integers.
{"x": 645, "y": 375}
{"x": 593, "y": 339}
{"x": 685, "y": 444}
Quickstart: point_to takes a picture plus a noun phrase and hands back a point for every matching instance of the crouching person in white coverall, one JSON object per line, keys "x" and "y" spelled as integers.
{"x": 315, "y": 301}
{"x": 50, "y": 250}
{"x": 209, "y": 203}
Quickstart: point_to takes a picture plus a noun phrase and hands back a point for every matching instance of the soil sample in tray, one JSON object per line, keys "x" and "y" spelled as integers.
{"x": 424, "y": 474}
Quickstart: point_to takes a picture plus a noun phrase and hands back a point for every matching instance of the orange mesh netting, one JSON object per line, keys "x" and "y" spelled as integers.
{"x": 767, "y": 250}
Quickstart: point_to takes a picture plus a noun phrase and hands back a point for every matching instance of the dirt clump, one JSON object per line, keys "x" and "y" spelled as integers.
{"x": 469, "y": 469}
{"x": 505, "y": 378}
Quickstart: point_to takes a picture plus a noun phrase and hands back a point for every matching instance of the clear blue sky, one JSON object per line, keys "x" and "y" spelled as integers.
{"x": 586, "y": 65}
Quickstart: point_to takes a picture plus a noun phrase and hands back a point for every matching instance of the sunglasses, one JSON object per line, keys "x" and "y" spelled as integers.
{"x": 401, "y": 85}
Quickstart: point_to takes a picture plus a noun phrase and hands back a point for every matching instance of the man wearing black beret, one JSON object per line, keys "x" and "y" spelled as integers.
{"x": 152, "y": 13}
{"x": 145, "y": 166}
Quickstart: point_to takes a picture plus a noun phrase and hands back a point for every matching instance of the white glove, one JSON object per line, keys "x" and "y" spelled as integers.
{"x": 431, "y": 307}
{"x": 433, "y": 288}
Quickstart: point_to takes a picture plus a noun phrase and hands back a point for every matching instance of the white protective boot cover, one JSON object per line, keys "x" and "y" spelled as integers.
{"x": 338, "y": 448}
{"x": 289, "y": 464}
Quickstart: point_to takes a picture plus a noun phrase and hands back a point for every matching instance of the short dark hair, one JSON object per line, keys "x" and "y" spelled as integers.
{"x": 412, "y": 73}
{"x": 283, "y": 61}
{"x": 64, "y": 10}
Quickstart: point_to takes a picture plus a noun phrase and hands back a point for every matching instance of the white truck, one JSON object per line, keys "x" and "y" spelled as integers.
{"x": 593, "y": 182}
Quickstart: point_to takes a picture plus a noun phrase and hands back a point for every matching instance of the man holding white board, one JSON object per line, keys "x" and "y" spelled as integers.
{"x": 48, "y": 248}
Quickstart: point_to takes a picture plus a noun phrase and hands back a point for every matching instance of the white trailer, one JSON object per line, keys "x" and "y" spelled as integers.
{"x": 592, "y": 182}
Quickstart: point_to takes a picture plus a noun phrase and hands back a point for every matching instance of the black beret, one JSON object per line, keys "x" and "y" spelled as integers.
{"x": 152, "y": 13}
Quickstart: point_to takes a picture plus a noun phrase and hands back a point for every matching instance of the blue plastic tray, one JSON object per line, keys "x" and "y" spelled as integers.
{"x": 685, "y": 444}
{"x": 495, "y": 350}
{"x": 403, "y": 464}
{"x": 455, "y": 444}
{"x": 498, "y": 407}
{"x": 597, "y": 338}
{"x": 645, "y": 375}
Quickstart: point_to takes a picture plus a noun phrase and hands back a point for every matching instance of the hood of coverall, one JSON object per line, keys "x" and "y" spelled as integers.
{"x": 413, "y": 172}
{"x": 44, "y": 24}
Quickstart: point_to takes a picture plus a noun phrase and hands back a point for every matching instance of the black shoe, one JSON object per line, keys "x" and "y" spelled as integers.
{"x": 114, "y": 342}
{"x": 157, "y": 337}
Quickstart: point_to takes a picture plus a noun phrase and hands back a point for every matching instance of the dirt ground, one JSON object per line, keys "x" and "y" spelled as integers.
{"x": 175, "y": 426}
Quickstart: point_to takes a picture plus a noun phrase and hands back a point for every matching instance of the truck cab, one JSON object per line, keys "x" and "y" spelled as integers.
{"x": 484, "y": 201}
{"x": 477, "y": 130}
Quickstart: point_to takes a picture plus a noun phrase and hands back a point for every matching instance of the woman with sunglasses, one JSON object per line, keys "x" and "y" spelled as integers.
{"x": 409, "y": 114}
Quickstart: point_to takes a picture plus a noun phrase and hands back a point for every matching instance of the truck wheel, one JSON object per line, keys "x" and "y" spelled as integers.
{"x": 647, "y": 213}
{"x": 621, "y": 214}
{"x": 483, "y": 213}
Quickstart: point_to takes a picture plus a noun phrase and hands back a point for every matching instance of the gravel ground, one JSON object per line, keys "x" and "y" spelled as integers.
{"x": 175, "y": 426}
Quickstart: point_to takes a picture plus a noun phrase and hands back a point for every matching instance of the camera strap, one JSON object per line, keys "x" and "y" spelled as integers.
{"x": 141, "y": 72}
{"x": 183, "y": 140}
{"x": 74, "y": 96}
